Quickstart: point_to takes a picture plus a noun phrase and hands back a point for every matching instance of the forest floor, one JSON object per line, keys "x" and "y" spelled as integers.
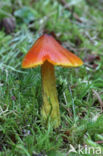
{"x": 78, "y": 25}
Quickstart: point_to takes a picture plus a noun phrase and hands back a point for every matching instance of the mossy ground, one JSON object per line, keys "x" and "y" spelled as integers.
{"x": 80, "y": 90}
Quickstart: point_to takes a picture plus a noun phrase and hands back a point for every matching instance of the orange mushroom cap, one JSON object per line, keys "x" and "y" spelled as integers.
{"x": 46, "y": 48}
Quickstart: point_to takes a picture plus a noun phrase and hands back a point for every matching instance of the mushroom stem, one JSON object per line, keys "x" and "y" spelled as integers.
{"x": 50, "y": 109}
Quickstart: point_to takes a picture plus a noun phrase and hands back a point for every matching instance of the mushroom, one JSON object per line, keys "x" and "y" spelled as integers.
{"x": 48, "y": 53}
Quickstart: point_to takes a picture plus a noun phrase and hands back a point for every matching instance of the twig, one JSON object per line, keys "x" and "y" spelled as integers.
{"x": 99, "y": 142}
{"x": 64, "y": 3}
{"x": 98, "y": 97}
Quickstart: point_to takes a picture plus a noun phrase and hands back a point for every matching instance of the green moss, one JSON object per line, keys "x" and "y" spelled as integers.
{"x": 21, "y": 129}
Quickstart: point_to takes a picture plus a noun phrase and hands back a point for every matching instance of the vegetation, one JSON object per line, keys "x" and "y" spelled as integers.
{"x": 80, "y": 90}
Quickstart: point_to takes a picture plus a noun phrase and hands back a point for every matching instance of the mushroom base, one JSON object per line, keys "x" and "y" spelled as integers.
{"x": 50, "y": 109}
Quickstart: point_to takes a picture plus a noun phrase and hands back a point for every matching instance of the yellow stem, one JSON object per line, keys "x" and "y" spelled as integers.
{"x": 50, "y": 108}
